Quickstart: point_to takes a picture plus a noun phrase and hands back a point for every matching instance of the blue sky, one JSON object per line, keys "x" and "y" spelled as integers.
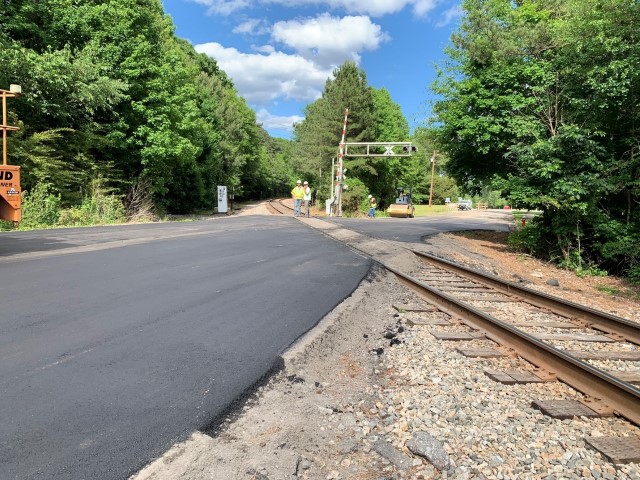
{"x": 280, "y": 53}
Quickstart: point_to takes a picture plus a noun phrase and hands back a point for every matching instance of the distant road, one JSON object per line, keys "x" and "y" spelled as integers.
{"x": 117, "y": 342}
{"x": 414, "y": 230}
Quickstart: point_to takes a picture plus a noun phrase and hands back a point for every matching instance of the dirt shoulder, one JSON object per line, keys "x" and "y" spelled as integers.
{"x": 357, "y": 390}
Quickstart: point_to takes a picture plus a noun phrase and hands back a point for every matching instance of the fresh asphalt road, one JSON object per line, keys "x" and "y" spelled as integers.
{"x": 416, "y": 230}
{"x": 117, "y": 342}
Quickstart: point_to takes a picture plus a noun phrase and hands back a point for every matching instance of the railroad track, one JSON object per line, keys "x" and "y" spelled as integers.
{"x": 593, "y": 352}
{"x": 279, "y": 207}
{"x": 533, "y": 326}
{"x": 563, "y": 340}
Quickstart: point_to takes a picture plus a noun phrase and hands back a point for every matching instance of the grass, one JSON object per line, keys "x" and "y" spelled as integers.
{"x": 426, "y": 210}
{"x": 630, "y": 292}
{"x": 608, "y": 290}
{"x": 517, "y": 214}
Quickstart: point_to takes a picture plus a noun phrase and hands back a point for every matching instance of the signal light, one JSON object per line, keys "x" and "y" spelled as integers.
{"x": 412, "y": 149}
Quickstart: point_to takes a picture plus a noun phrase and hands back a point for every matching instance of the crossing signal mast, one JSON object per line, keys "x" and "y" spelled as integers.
{"x": 339, "y": 171}
{"x": 363, "y": 149}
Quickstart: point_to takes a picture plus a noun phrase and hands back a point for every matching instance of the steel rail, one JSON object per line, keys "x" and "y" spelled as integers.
{"x": 589, "y": 317}
{"x": 286, "y": 207}
{"x": 622, "y": 397}
{"x": 279, "y": 206}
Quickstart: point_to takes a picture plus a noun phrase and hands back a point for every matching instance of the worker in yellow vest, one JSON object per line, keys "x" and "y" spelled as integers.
{"x": 297, "y": 194}
{"x": 372, "y": 206}
{"x": 307, "y": 197}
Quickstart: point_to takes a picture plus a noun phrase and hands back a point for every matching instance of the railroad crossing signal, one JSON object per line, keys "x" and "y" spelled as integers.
{"x": 363, "y": 149}
{"x": 410, "y": 149}
{"x": 375, "y": 149}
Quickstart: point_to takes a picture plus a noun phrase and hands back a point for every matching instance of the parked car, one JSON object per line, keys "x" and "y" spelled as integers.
{"x": 464, "y": 204}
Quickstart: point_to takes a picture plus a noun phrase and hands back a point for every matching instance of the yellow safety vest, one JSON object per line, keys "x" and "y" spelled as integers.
{"x": 297, "y": 193}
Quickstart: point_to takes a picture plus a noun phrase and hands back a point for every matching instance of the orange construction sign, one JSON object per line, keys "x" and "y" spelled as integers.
{"x": 10, "y": 199}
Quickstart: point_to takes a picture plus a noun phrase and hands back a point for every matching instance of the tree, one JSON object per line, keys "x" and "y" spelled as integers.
{"x": 317, "y": 137}
{"x": 390, "y": 125}
{"x": 373, "y": 117}
{"x": 382, "y": 175}
{"x": 541, "y": 98}
{"x": 110, "y": 92}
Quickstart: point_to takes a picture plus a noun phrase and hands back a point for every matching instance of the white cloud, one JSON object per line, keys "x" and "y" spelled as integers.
{"x": 263, "y": 48}
{"x": 223, "y": 7}
{"x": 449, "y": 15}
{"x": 269, "y": 121}
{"x": 309, "y": 48}
{"x": 328, "y": 41}
{"x": 263, "y": 78}
{"x": 376, "y": 8}
{"x": 253, "y": 26}
{"x": 266, "y": 74}
{"x": 422, "y": 7}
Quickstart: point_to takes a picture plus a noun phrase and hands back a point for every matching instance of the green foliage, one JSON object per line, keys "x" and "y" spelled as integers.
{"x": 100, "y": 207}
{"x": 6, "y": 226}
{"x": 530, "y": 239}
{"x": 390, "y": 125}
{"x": 493, "y": 198}
{"x": 109, "y": 91}
{"x": 634, "y": 275}
{"x": 354, "y": 198}
{"x": 40, "y": 207}
{"x": 591, "y": 271}
{"x": 608, "y": 290}
{"x": 417, "y": 170}
{"x": 540, "y": 102}
{"x": 383, "y": 175}
{"x": 317, "y": 137}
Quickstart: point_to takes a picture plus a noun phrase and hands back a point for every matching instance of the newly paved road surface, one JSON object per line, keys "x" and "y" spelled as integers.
{"x": 117, "y": 342}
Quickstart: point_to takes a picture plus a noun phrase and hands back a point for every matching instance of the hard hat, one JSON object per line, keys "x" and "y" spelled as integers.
{"x": 306, "y": 183}
{"x": 369, "y": 196}
{"x": 299, "y": 182}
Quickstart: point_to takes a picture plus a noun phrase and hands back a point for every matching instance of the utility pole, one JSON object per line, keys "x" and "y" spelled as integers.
{"x": 332, "y": 196}
{"x": 339, "y": 172}
{"x": 319, "y": 189}
{"x": 433, "y": 171}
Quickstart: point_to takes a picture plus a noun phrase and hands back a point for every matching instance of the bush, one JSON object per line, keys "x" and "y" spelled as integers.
{"x": 100, "y": 208}
{"x": 40, "y": 207}
{"x": 529, "y": 239}
{"x": 73, "y": 217}
{"x": 6, "y": 226}
{"x": 354, "y": 197}
{"x": 139, "y": 204}
{"x": 633, "y": 274}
